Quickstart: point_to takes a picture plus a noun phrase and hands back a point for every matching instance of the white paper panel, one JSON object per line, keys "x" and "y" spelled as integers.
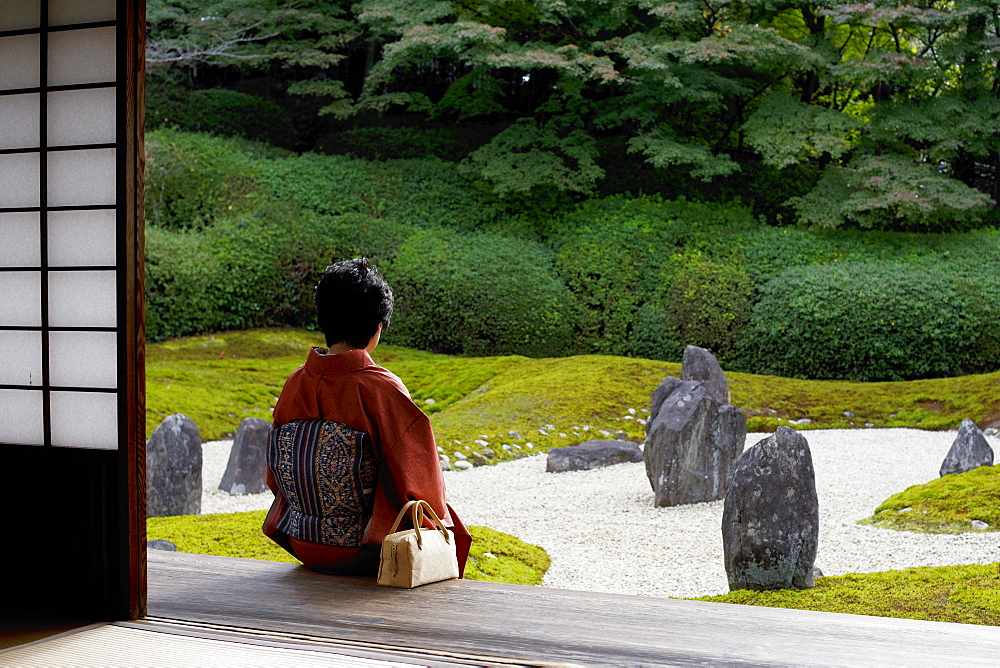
{"x": 19, "y": 240}
{"x": 20, "y": 14}
{"x": 81, "y": 117}
{"x": 83, "y": 359}
{"x": 82, "y": 299}
{"x": 19, "y": 121}
{"x": 82, "y": 178}
{"x": 21, "y": 418}
{"x": 19, "y": 62}
{"x": 81, "y": 56}
{"x": 21, "y": 304}
{"x": 66, "y": 12}
{"x": 20, "y": 359}
{"x": 19, "y": 185}
{"x": 84, "y": 419}
{"x": 81, "y": 238}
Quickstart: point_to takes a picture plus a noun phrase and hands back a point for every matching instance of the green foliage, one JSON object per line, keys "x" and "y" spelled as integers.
{"x": 786, "y": 131}
{"x": 526, "y": 156}
{"x": 960, "y": 594}
{"x": 946, "y": 505}
{"x": 252, "y": 271}
{"x": 865, "y": 321}
{"x": 891, "y": 193}
{"x": 239, "y": 535}
{"x": 219, "y": 111}
{"x": 651, "y": 335}
{"x": 322, "y": 184}
{"x": 477, "y": 295}
{"x": 708, "y": 304}
{"x": 191, "y": 179}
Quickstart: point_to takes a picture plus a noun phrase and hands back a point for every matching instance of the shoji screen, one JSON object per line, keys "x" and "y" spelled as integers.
{"x": 70, "y": 242}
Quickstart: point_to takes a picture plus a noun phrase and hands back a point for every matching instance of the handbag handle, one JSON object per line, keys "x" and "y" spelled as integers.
{"x": 417, "y": 509}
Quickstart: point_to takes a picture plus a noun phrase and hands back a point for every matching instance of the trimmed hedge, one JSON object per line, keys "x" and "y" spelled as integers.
{"x": 220, "y": 111}
{"x": 478, "y": 295}
{"x": 708, "y": 304}
{"x": 253, "y": 271}
{"x": 868, "y": 321}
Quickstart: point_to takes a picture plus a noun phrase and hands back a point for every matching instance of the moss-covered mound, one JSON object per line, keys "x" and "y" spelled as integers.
{"x": 946, "y": 505}
{"x": 218, "y": 380}
{"x": 964, "y": 594}
{"x": 495, "y": 556}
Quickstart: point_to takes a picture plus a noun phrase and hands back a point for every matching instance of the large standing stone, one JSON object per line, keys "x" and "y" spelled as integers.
{"x": 692, "y": 446}
{"x": 770, "y": 520}
{"x": 970, "y": 450}
{"x": 247, "y": 468}
{"x": 699, "y": 364}
{"x": 173, "y": 468}
{"x": 592, "y": 455}
{"x": 660, "y": 394}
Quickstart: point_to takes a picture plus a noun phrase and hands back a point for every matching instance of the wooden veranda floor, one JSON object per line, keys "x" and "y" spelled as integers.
{"x": 485, "y": 623}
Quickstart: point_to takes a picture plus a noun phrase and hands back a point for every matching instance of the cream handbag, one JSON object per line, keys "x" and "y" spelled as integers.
{"x": 419, "y": 555}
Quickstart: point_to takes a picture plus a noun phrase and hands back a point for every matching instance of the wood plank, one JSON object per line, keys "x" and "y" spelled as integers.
{"x": 535, "y": 623}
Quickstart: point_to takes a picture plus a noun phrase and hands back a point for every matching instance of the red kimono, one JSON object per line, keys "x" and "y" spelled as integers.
{"x": 349, "y": 388}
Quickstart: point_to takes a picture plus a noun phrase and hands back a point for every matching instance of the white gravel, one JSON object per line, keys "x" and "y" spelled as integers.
{"x": 603, "y": 534}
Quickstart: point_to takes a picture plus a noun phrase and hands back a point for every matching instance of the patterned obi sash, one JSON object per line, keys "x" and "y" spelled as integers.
{"x": 327, "y": 473}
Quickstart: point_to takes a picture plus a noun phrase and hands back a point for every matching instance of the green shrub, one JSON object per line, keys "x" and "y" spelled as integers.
{"x": 477, "y": 295}
{"x": 861, "y": 321}
{"x": 428, "y": 193}
{"x": 221, "y": 112}
{"x": 191, "y": 178}
{"x": 252, "y": 271}
{"x": 652, "y": 335}
{"x": 708, "y": 304}
{"x": 767, "y": 251}
{"x": 323, "y": 184}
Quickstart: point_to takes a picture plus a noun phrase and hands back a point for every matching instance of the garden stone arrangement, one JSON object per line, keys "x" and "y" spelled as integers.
{"x": 247, "y": 468}
{"x": 770, "y": 520}
{"x": 693, "y": 436}
{"x": 591, "y": 455}
{"x": 970, "y": 450}
{"x": 173, "y": 468}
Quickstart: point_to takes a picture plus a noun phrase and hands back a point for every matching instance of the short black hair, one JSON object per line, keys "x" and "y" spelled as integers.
{"x": 352, "y": 300}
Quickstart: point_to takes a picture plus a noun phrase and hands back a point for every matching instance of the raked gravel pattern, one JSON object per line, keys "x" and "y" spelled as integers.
{"x": 603, "y": 534}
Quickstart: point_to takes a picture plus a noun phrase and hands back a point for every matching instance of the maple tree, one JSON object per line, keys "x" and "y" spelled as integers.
{"x": 896, "y": 103}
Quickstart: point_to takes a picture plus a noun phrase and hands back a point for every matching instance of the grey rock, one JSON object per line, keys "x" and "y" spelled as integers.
{"x": 770, "y": 519}
{"x": 488, "y": 452}
{"x": 692, "y": 445}
{"x": 445, "y": 463}
{"x": 699, "y": 364}
{"x": 849, "y": 414}
{"x": 660, "y": 394}
{"x": 463, "y": 465}
{"x": 817, "y": 573}
{"x": 460, "y": 456}
{"x": 161, "y": 544}
{"x": 979, "y": 524}
{"x": 592, "y": 455}
{"x": 247, "y": 468}
{"x": 173, "y": 468}
{"x": 970, "y": 450}
{"x": 513, "y": 434}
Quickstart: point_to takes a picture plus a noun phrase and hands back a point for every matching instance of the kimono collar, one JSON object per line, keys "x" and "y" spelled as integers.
{"x": 352, "y": 360}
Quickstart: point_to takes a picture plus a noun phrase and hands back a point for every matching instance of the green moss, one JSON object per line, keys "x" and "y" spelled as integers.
{"x": 963, "y": 594}
{"x": 222, "y": 534}
{"x": 500, "y": 557}
{"x": 495, "y": 556}
{"x": 944, "y": 505}
{"x": 217, "y": 380}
